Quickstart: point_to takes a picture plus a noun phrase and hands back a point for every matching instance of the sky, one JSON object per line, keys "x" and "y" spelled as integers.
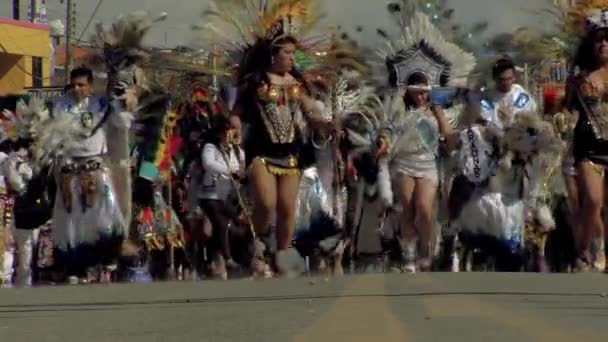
{"x": 502, "y": 15}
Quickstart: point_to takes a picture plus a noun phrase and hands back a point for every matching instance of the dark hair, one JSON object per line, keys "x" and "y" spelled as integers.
{"x": 501, "y": 66}
{"x": 416, "y": 78}
{"x": 256, "y": 62}
{"x": 278, "y": 44}
{"x": 82, "y": 72}
{"x": 220, "y": 124}
{"x": 584, "y": 57}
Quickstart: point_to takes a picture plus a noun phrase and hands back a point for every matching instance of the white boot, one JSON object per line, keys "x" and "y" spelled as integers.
{"x": 26, "y": 240}
{"x": 7, "y": 269}
{"x": 409, "y": 255}
{"x": 598, "y": 255}
{"x": 289, "y": 263}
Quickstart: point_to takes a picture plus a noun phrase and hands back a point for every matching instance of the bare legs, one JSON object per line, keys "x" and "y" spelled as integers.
{"x": 288, "y": 187}
{"x": 265, "y": 196}
{"x": 417, "y": 197}
{"x": 574, "y": 204}
{"x": 274, "y": 195}
{"x": 591, "y": 227}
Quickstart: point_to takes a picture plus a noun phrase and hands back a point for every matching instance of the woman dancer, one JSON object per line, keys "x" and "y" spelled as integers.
{"x": 587, "y": 94}
{"x": 417, "y": 59}
{"x": 273, "y": 103}
{"x": 415, "y": 170}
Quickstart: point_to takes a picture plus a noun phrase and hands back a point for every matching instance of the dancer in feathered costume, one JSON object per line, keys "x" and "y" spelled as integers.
{"x": 155, "y": 224}
{"x": 585, "y": 96}
{"x": 505, "y": 187}
{"x": 33, "y": 205}
{"x": 322, "y": 201}
{"x": 413, "y": 129}
{"x": 274, "y": 102}
{"x": 14, "y": 176}
{"x": 194, "y": 124}
{"x": 88, "y": 141}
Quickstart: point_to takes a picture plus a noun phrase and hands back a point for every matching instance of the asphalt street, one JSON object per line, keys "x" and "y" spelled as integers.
{"x": 383, "y": 307}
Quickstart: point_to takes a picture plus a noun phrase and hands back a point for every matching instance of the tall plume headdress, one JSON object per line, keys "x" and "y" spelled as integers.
{"x": 574, "y": 22}
{"x": 121, "y": 50}
{"x": 419, "y": 46}
{"x": 588, "y": 16}
{"x": 245, "y": 31}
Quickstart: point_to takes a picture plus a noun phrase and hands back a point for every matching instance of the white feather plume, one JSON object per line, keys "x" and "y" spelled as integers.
{"x": 24, "y": 123}
{"x": 415, "y": 29}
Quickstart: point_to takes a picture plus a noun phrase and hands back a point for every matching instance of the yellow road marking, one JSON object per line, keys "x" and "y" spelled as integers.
{"x": 356, "y": 319}
{"x": 516, "y": 319}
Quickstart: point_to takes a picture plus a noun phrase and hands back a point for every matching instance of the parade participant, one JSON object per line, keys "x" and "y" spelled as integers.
{"x": 88, "y": 226}
{"x": 274, "y": 104}
{"x": 409, "y": 145}
{"x": 15, "y": 173}
{"x": 195, "y": 122}
{"x": 322, "y": 200}
{"x": 415, "y": 170}
{"x": 93, "y": 202}
{"x": 29, "y": 209}
{"x": 501, "y": 104}
{"x": 221, "y": 160}
{"x": 585, "y": 95}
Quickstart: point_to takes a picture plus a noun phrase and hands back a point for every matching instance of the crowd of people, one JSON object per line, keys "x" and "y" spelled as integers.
{"x": 307, "y": 166}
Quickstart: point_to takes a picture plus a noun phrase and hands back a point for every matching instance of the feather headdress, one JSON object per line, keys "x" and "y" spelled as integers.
{"x": 419, "y": 47}
{"x": 24, "y": 122}
{"x": 588, "y": 15}
{"x": 120, "y": 48}
{"x": 574, "y": 21}
{"x": 244, "y": 31}
{"x": 122, "y": 52}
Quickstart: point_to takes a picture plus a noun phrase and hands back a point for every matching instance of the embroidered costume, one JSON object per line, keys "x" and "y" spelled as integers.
{"x": 500, "y": 108}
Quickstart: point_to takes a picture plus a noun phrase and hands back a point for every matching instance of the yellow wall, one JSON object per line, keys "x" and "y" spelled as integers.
{"x": 19, "y": 42}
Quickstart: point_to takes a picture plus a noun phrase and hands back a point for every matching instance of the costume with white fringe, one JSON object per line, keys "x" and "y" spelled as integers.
{"x": 15, "y": 173}
{"x": 86, "y": 208}
{"x": 501, "y": 108}
{"x": 322, "y": 200}
{"x": 419, "y": 47}
{"x": 413, "y": 138}
{"x": 514, "y": 191}
{"x": 88, "y": 142}
{"x": 32, "y": 205}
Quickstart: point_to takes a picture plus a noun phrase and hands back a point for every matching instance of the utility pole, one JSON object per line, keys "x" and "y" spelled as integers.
{"x": 34, "y": 11}
{"x": 68, "y": 38}
{"x": 16, "y": 9}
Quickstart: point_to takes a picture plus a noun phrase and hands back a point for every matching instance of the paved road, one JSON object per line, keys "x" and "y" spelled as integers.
{"x": 371, "y": 308}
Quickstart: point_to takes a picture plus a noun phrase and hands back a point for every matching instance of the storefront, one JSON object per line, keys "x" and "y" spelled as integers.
{"x": 25, "y": 50}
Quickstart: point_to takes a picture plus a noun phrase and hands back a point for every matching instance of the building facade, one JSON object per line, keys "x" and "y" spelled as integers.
{"x": 25, "y": 52}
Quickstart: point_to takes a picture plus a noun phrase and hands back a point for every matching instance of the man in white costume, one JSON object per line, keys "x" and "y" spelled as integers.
{"x": 500, "y": 105}
{"x": 87, "y": 223}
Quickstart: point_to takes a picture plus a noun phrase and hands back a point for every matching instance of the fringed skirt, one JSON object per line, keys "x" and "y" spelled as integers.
{"x": 86, "y": 208}
{"x": 7, "y": 237}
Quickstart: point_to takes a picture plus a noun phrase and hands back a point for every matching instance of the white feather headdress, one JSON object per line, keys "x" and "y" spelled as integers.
{"x": 419, "y": 47}
{"x": 24, "y": 122}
